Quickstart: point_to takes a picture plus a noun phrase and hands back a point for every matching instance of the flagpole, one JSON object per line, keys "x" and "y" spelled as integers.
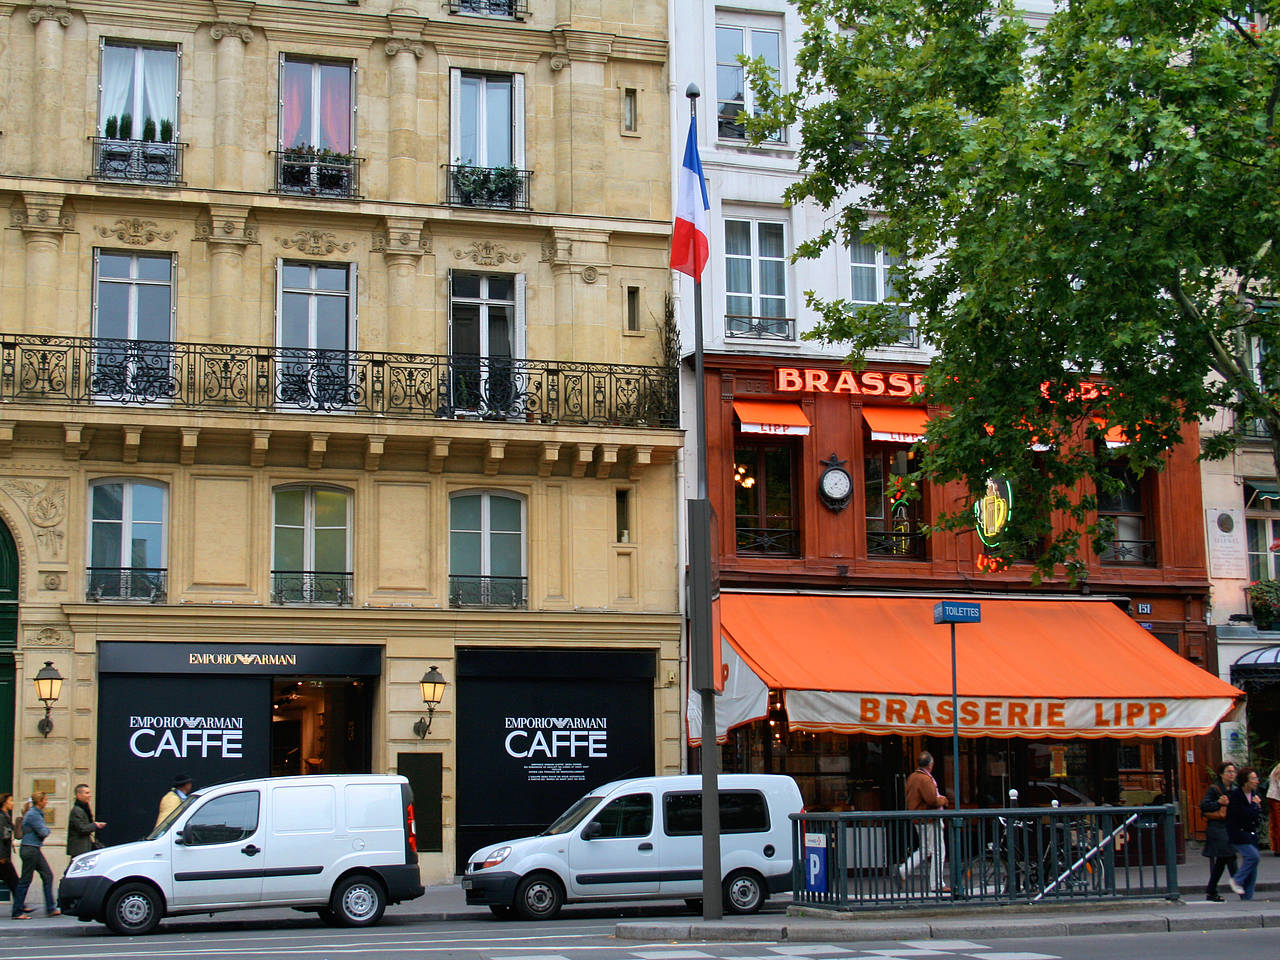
{"x": 712, "y": 903}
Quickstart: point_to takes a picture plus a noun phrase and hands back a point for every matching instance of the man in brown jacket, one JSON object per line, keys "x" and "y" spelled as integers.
{"x": 922, "y": 794}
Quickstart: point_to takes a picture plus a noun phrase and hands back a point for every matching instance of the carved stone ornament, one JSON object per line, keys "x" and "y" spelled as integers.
{"x": 558, "y": 62}
{"x": 488, "y": 253}
{"x": 241, "y": 30}
{"x": 314, "y": 242}
{"x": 43, "y": 213}
{"x": 47, "y": 637}
{"x": 49, "y": 11}
{"x": 401, "y": 241}
{"x": 136, "y": 231}
{"x": 590, "y": 274}
{"x": 397, "y": 45}
{"x": 51, "y": 581}
{"x": 46, "y": 502}
{"x": 226, "y": 231}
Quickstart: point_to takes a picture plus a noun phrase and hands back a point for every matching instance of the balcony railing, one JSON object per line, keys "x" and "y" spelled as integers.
{"x": 505, "y": 187}
{"x": 771, "y": 541}
{"x": 906, "y": 541}
{"x": 516, "y": 9}
{"x": 1138, "y": 552}
{"x": 309, "y": 174}
{"x": 1254, "y": 428}
{"x": 760, "y": 328}
{"x": 143, "y": 161}
{"x": 127, "y": 583}
{"x": 473, "y": 591}
{"x": 311, "y": 586}
{"x": 223, "y": 376}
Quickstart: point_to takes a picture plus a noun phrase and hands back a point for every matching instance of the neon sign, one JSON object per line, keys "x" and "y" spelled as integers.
{"x": 871, "y": 383}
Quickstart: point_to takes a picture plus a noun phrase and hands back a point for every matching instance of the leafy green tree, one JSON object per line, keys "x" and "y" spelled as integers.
{"x": 1093, "y": 201}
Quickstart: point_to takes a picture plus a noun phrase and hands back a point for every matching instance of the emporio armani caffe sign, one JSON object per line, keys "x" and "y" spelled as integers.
{"x": 183, "y": 737}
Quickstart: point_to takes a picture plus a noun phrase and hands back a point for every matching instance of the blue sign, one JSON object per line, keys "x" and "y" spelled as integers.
{"x": 953, "y": 611}
{"x": 815, "y": 862}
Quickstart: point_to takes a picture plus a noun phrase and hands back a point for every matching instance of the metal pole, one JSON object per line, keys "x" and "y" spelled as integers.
{"x": 955, "y": 728}
{"x": 712, "y": 905}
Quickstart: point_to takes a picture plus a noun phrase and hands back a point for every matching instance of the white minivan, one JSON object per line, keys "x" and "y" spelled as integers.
{"x": 642, "y": 839}
{"x": 342, "y": 846}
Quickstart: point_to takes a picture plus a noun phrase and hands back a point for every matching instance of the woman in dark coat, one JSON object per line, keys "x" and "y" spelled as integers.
{"x": 1244, "y": 812}
{"x": 8, "y": 876}
{"x": 1217, "y": 846}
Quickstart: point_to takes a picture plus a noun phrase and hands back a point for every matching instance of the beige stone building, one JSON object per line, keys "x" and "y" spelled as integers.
{"x": 332, "y": 349}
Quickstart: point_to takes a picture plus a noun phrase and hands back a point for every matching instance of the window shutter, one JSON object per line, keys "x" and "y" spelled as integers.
{"x": 455, "y": 118}
{"x": 518, "y": 346}
{"x": 279, "y": 136}
{"x": 449, "y": 298}
{"x": 279, "y": 300}
{"x": 94, "y": 319}
{"x": 353, "y": 307}
{"x": 173, "y": 296}
{"x": 517, "y": 120}
{"x": 355, "y": 105}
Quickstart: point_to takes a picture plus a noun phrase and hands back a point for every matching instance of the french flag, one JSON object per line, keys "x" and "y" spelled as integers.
{"x": 689, "y": 246}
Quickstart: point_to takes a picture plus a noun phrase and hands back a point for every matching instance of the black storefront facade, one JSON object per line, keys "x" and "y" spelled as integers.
{"x": 221, "y": 711}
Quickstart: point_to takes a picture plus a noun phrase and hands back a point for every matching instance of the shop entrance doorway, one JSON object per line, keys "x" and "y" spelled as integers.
{"x": 320, "y": 725}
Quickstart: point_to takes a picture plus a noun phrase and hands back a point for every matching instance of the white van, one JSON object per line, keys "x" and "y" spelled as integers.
{"x": 342, "y": 846}
{"x": 642, "y": 839}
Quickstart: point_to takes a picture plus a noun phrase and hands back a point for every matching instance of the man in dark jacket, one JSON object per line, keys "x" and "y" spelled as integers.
{"x": 81, "y": 826}
{"x": 1222, "y": 856}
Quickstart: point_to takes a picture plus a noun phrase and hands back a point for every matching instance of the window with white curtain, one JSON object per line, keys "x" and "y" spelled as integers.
{"x": 139, "y": 92}
{"x": 870, "y": 272}
{"x": 126, "y": 540}
{"x": 755, "y": 266}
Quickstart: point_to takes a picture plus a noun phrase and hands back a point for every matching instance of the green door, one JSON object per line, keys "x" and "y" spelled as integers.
{"x": 8, "y": 649}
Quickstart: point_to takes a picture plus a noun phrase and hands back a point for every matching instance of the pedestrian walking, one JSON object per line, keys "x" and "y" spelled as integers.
{"x": 179, "y": 790}
{"x": 922, "y": 794}
{"x": 1273, "y": 809}
{"x": 31, "y": 850}
{"x": 8, "y": 876}
{"x": 1244, "y": 813}
{"x": 1217, "y": 846}
{"x": 81, "y": 827}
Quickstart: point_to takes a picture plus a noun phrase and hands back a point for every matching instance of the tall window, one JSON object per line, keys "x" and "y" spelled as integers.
{"x": 486, "y": 550}
{"x": 133, "y": 324}
{"x": 487, "y": 140}
{"x": 871, "y": 270}
{"x": 1126, "y": 509}
{"x": 139, "y": 92}
{"x": 126, "y": 541}
{"x": 1262, "y": 529}
{"x": 311, "y": 549}
{"x": 315, "y": 105}
{"x": 895, "y": 513}
{"x": 317, "y": 330}
{"x": 755, "y": 257}
{"x": 752, "y": 36}
{"x": 486, "y": 336}
{"x": 764, "y": 498}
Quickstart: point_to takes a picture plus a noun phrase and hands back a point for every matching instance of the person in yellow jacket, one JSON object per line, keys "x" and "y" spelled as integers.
{"x": 178, "y": 791}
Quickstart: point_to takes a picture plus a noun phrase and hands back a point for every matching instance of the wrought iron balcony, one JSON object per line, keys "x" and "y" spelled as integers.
{"x": 127, "y": 583}
{"x": 759, "y": 328}
{"x": 516, "y": 9}
{"x": 311, "y": 174}
{"x": 259, "y": 378}
{"x": 1135, "y": 552}
{"x": 143, "y": 161}
{"x": 1254, "y": 428}
{"x": 471, "y": 591}
{"x": 772, "y": 541}
{"x": 505, "y": 187}
{"x": 311, "y": 586}
{"x": 906, "y": 541}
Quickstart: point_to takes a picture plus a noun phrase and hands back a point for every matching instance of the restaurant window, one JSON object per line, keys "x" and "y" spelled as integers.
{"x": 486, "y": 550}
{"x": 1126, "y": 509}
{"x": 764, "y": 498}
{"x": 1262, "y": 529}
{"x": 755, "y": 266}
{"x": 754, "y": 36}
{"x": 894, "y": 510}
{"x": 127, "y": 541}
{"x": 311, "y": 551}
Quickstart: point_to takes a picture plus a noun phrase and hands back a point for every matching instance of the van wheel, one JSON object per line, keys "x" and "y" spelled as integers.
{"x": 134, "y": 909}
{"x": 539, "y": 897}
{"x": 502, "y": 911}
{"x": 743, "y": 891}
{"x": 358, "y": 901}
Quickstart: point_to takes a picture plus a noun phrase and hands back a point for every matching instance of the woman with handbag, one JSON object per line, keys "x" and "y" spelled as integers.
{"x": 8, "y": 876}
{"x": 1216, "y": 844}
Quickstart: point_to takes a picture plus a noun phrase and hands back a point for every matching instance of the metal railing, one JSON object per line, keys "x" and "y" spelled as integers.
{"x": 1138, "y": 552}
{"x": 516, "y": 9}
{"x": 906, "y": 541}
{"x": 127, "y": 583}
{"x": 333, "y": 176}
{"x": 505, "y": 187}
{"x": 224, "y": 376}
{"x": 312, "y": 586}
{"x": 145, "y": 161}
{"x": 759, "y": 328}
{"x": 1023, "y": 855}
{"x": 476, "y": 591}
{"x": 769, "y": 540}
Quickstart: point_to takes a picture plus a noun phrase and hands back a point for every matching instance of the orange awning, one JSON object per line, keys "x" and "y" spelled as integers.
{"x": 769, "y": 416}
{"x": 1031, "y": 668}
{"x": 896, "y": 424}
{"x": 1114, "y": 436}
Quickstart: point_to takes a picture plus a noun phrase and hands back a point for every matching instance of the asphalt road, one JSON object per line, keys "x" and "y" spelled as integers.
{"x": 580, "y": 935}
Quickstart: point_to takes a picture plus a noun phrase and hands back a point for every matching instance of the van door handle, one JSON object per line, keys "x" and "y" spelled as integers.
{"x": 250, "y": 850}
{"x": 645, "y": 846}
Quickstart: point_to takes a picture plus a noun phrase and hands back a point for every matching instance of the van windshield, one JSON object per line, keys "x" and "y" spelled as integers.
{"x": 573, "y": 816}
{"x": 174, "y": 814}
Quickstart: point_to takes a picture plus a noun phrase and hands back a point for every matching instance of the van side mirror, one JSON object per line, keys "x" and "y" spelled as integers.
{"x": 592, "y": 830}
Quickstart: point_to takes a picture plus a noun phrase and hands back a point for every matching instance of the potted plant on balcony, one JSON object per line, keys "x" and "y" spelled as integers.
{"x": 126, "y": 126}
{"x": 1264, "y": 602}
{"x": 470, "y": 183}
{"x": 111, "y": 129}
{"x": 504, "y": 185}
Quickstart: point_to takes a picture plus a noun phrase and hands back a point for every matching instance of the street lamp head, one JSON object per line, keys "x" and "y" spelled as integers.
{"x": 432, "y": 685}
{"x": 48, "y": 683}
